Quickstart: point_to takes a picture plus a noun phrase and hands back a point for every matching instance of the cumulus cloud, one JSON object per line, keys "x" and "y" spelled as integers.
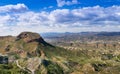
{"x": 13, "y": 8}
{"x": 64, "y": 2}
{"x": 61, "y": 20}
{"x": 92, "y": 16}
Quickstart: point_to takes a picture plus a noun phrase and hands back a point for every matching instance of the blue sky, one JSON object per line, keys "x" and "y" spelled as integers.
{"x": 58, "y": 16}
{"x": 37, "y": 5}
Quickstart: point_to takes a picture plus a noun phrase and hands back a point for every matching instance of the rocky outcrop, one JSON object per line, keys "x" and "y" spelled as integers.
{"x": 29, "y": 37}
{"x": 3, "y": 59}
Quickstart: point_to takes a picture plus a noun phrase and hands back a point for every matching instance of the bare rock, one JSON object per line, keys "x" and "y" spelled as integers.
{"x": 29, "y": 37}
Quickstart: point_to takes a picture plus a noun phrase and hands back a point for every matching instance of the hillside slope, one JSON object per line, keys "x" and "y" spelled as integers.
{"x": 29, "y": 53}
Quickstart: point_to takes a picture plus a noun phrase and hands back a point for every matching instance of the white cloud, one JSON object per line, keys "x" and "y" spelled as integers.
{"x": 64, "y": 2}
{"x": 13, "y": 8}
{"x": 61, "y": 20}
{"x": 49, "y": 7}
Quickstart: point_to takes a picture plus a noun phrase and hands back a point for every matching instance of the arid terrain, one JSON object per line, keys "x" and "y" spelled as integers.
{"x": 60, "y": 53}
{"x": 98, "y": 52}
{"x": 59, "y": 36}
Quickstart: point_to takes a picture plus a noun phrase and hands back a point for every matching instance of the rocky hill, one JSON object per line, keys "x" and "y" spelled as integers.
{"x": 24, "y": 42}
{"x": 29, "y": 52}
